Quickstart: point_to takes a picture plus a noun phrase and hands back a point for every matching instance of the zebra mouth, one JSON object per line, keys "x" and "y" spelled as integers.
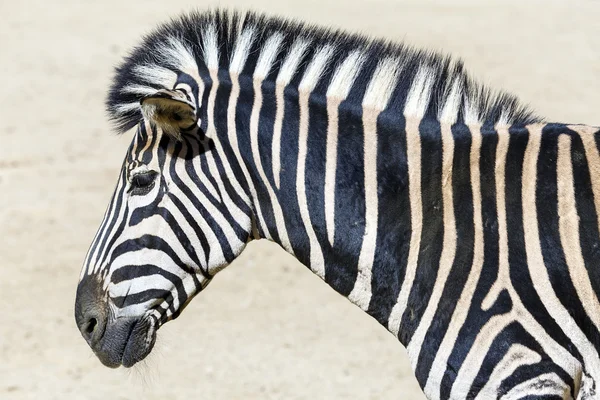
{"x": 139, "y": 342}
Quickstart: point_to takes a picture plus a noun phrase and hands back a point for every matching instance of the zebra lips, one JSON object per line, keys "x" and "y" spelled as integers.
{"x": 139, "y": 343}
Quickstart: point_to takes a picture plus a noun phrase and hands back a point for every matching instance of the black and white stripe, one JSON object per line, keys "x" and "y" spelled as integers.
{"x": 457, "y": 219}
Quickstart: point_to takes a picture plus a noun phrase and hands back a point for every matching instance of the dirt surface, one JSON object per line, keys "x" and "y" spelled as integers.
{"x": 266, "y": 328}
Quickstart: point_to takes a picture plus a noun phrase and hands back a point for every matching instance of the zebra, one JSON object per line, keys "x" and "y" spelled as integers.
{"x": 452, "y": 214}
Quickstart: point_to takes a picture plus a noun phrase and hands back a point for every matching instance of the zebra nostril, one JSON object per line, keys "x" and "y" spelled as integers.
{"x": 90, "y": 326}
{"x": 91, "y": 310}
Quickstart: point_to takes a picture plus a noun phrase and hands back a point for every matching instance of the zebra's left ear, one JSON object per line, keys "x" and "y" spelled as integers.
{"x": 170, "y": 110}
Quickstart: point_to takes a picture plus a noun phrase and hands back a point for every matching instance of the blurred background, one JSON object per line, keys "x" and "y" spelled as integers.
{"x": 266, "y": 328}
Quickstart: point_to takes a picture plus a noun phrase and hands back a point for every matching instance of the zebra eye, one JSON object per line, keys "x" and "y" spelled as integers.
{"x": 142, "y": 183}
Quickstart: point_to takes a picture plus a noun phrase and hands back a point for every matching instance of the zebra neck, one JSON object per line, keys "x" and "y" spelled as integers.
{"x": 329, "y": 182}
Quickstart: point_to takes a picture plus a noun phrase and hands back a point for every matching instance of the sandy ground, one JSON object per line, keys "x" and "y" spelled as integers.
{"x": 266, "y": 328}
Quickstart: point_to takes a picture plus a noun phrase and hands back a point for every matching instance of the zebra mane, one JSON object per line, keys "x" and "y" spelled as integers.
{"x": 421, "y": 83}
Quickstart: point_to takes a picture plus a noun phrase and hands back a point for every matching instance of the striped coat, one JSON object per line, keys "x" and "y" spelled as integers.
{"x": 461, "y": 222}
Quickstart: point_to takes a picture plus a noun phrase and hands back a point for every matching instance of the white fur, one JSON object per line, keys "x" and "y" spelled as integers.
{"x": 139, "y": 89}
{"x": 505, "y": 119}
{"x": 420, "y": 92}
{"x": 210, "y": 47}
{"x": 516, "y": 356}
{"x": 177, "y": 54}
{"x": 471, "y": 112}
{"x": 453, "y": 99}
{"x": 267, "y": 55}
{"x": 344, "y": 76}
{"x": 539, "y": 385}
{"x": 292, "y": 60}
{"x": 153, "y": 73}
{"x": 241, "y": 51}
{"x": 382, "y": 84}
{"x": 315, "y": 69}
{"x": 127, "y": 107}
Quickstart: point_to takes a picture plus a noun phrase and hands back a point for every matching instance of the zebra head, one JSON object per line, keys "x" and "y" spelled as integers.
{"x": 173, "y": 222}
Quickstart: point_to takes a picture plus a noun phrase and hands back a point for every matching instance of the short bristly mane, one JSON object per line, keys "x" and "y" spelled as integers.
{"x": 199, "y": 41}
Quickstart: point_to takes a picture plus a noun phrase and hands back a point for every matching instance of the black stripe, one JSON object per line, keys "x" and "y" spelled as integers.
{"x": 432, "y": 234}
{"x": 148, "y": 241}
{"x": 206, "y": 215}
{"x": 349, "y": 204}
{"x": 519, "y": 271}
{"x": 220, "y": 121}
{"x": 393, "y": 219}
{"x": 266, "y": 121}
{"x": 243, "y": 111}
{"x": 512, "y": 334}
{"x": 462, "y": 208}
{"x": 589, "y": 236}
{"x": 289, "y": 161}
{"x": 141, "y": 297}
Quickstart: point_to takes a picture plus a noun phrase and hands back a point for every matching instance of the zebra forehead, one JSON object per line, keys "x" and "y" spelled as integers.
{"x": 421, "y": 83}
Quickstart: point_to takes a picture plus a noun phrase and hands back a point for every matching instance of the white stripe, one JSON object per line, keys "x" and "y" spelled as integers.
{"x": 142, "y": 152}
{"x": 568, "y": 224}
{"x": 265, "y": 62}
{"x": 269, "y": 51}
{"x": 310, "y": 79}
{"x": 177, "y": 55}
{"x": 133, "y": 310}
{"x": 440, "y": 363}
{"x": 449, "y": 239}
{"x": 413, "y": 152}
{"x": 210, "y": 48}
{"x": 420, "y": 92}
{"x": 478, "y": 351}
{"x": 315, "y": 69}
{"x": 449, "y": 112}
{"x": 382, "y": 84}
{"x": 376, "y": 97}
{"x": 139, "y": 89}
{"x": 204, "y": 148}
{"x": 503, "y": 278}
{"x": 139, "y": 284}
{"x": 155, "y": 74}
{"x": 211, "y": 132}
{"x": 241, "y": 51}
{"x": 588, "y": 137}
{"x": 471, "y": 113}
{"x": 124, "y": 108}
{"x": 539, "y": 386}
{"x": 504, "y": 120}
{"x": 516, "y": 356}
{"x": 291, "y": 62}
{"x": 101, "y": 232}
{"x": 535, "y": 261}
{"x": 345, "y": 75}
{"x": 233, "y": 141}
{"x": 216, "y": 256}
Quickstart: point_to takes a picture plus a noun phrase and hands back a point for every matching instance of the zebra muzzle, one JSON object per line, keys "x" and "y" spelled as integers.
{"x": 115, "y": 341}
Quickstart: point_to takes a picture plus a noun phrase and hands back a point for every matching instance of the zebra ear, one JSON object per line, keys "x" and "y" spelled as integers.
{"x": 170, "y": 110}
